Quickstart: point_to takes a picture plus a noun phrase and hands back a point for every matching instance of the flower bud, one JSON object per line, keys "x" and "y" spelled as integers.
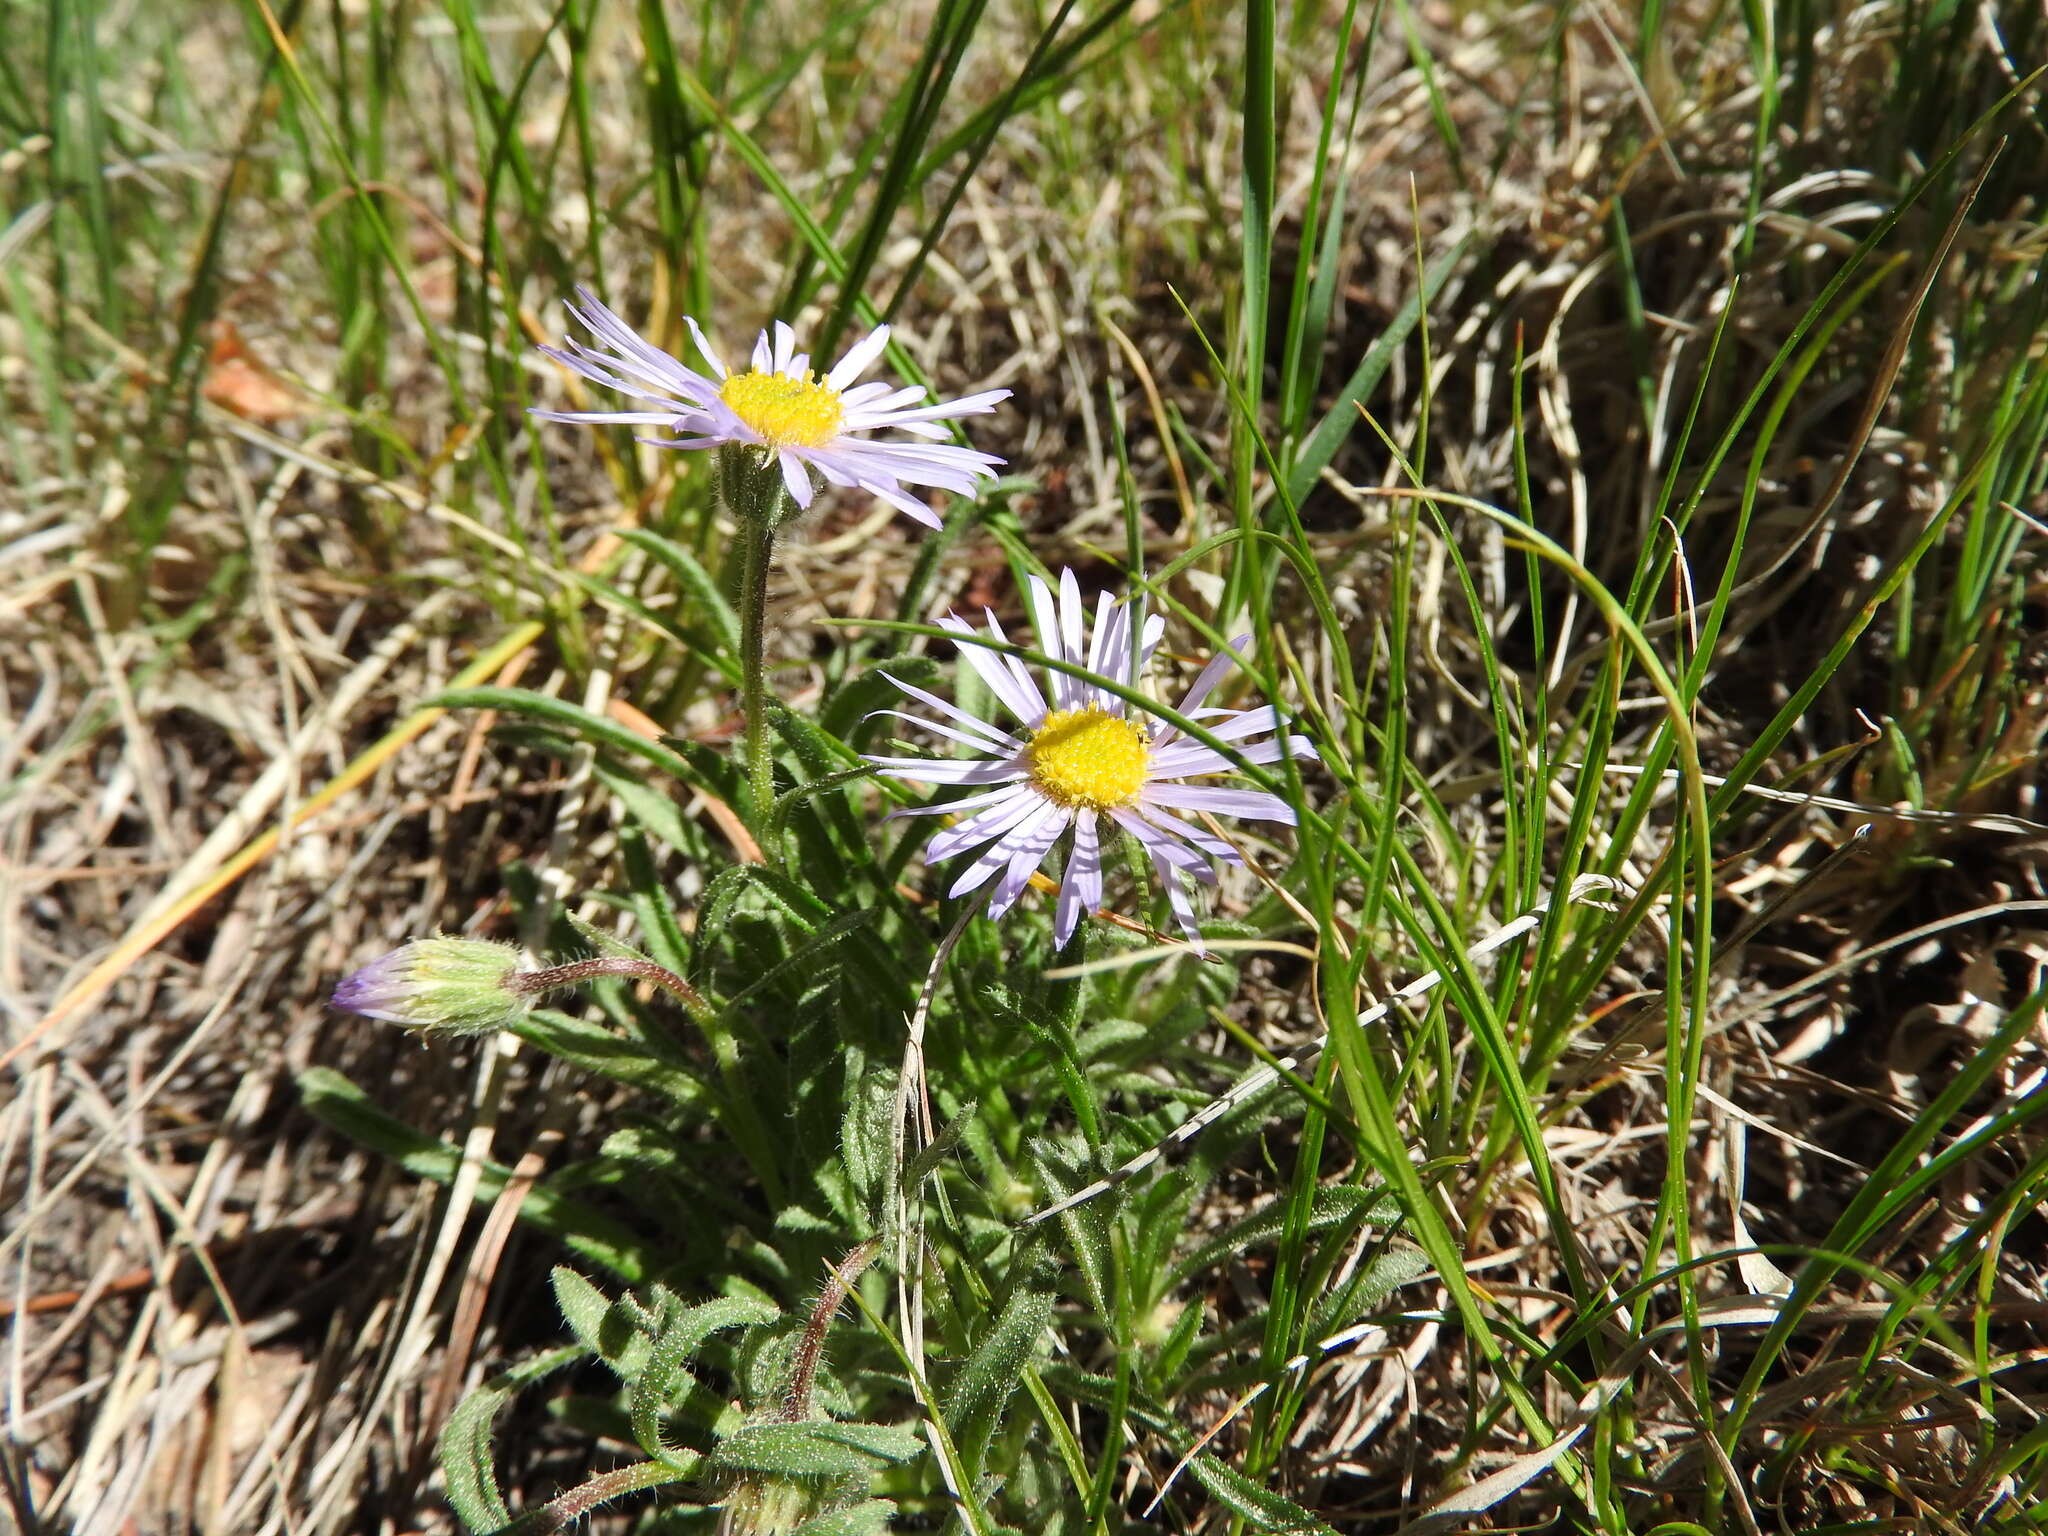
{"x": 442, "y": 985}
{"x": 751, "y": 486}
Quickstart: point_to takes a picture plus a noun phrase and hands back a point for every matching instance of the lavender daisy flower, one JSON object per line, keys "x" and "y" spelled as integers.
{"x": 1086, "y": 759}
{"x": 800, "y": 420}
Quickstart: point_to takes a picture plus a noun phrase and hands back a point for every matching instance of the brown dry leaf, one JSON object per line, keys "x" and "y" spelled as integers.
{"x": 236, "y": 381}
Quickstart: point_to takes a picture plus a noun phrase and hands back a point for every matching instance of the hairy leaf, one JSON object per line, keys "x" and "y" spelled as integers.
{"x": 817, "y": 1448}
{"x": 1267, "y": 1511}
{"x": 465, "y": 1444}
{"x": 974, "y": 1406}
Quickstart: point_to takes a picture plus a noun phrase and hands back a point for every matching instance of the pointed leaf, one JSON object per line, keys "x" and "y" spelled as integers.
{"x": 864, "y": 1136}
{"x": 1087, "y": 1229}
{"x": 846, "y": 715}
{"x": 1266, "y": 1510}
{"x": 596, "y": 729}
{"x": 1337, "y": 1206}
{"x": 584, "y": 1306}
{"x": 974, "y": 1406}
{"x": 465, "y": 1444}
{"x": 677, "y": 1340}
{"x": 702, "y": 589}
{"x": 1343, "y": 417}
{"x": 336, "y": 1102}
{"x": 817, "y": 1448}
{"x": 870, "y": 1517}
{"x": 641, "y": 1062}
{"x": 942, "y": 1145}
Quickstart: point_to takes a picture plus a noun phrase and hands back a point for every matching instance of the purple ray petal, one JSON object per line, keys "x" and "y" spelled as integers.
{"x": 859, "y": 357}
{"x": 998, "y": 738}
{"x": 1081, "y": 889}
{"x": 1253, "y": 803}
{"x": 796, "y": 479}
{"x": 1015, "y": 694}
{"x": 1000, "y": 817}
{"x": 1027, "y": 845}
{"x": 996, "y": 856}
{"x": 943, "y": 770}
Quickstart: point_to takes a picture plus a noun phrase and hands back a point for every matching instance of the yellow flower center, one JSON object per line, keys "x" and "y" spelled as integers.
{"x": 1088, "y": 758}
{"x": 787, "y": 410}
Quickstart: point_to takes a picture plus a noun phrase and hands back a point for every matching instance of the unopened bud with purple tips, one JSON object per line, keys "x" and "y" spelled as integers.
{"x": 442, "y": 985}
{"x": 447, "y": 986}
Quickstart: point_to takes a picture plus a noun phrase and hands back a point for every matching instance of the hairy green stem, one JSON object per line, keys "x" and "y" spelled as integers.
{"x": 750, "y": 484}
{"x": 756, "y": 555}
{"x": 576, "y": 972}
{"x": 810, "y": 1349}
{"x": 566, "y": 1509}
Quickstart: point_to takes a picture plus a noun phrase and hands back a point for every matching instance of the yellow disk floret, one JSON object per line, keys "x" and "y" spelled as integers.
{"x": 787, "y": 409}
{"x": 1088, "y": 759}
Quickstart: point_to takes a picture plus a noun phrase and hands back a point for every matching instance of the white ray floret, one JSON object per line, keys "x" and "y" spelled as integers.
{"x": 807, "y": 424}
{"x": 1081, "y": 760}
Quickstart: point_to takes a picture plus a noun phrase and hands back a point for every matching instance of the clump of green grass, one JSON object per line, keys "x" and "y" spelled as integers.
{"x": 1586, "y": 427}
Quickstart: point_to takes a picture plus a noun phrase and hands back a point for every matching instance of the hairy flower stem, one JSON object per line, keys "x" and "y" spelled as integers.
{"x": 750, "y": 484}
{"x": 803, "y": 1365}
{"x": 757, "y": 553}
{"x": 576, "y": 972}
{"x": 568, "y": 1508}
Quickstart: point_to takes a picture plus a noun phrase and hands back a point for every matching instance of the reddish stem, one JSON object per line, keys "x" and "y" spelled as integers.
{"x": 810, "y": 1349}
{"x": 576, "y": 972}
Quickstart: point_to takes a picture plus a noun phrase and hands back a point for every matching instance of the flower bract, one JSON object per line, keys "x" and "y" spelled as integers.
{"x": 441, "y": 985}
{"x": 805, "y": 422}
{"x": 1082, "y": 758}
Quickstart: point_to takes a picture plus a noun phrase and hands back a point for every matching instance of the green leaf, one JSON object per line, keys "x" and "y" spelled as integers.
{"x": 1087, "y": 1229}
{"x": 592, "y": 728}
{"x": 590, "y": 1045}
{"x": 865, "y": 1131}
{"x": 1058, "y": 1038}
{"x": 1173, "y": 1353}
{"x": 654, "y": 810}
{"x": 819, "y": 752}
{"x": 677, "y": 1340}
{"x": 608, "y": 1329}
{"x": 598, "y": 939}
{"x": 584, "y": 1306}
{"x": 817, "y": 1448}
{"x": 338, "y": 1103}
{"x": 465, "y": 1444}
{"x": 625, "y": 602}
{"x": 790, "y": 799}
{"x": 826, "y": 764}
{"x": 807, "y": 958}
{"x": 884, "y": 1442}
{"x": 715, "y": 772}
{"x": 654, "y": 903}
{"x": 1396, "y": 1265}
{"x": 975, "y": 1403}
{"x": 1098, "y": 1040}
{"x": 702, "y": 589}
{"x": 1330, "y": 432}
{"x": 465, "y": 1450}
{"x": 942, "y": 1145}
{"x": 1339, "y": 1205}
{"x": 1266, "y": 1510}
{"x": 870, "y": 1517}
{"x": 874, "y": 689}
